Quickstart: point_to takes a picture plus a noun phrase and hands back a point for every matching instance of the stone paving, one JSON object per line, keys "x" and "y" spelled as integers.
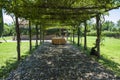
{"x": 59, "y": 62}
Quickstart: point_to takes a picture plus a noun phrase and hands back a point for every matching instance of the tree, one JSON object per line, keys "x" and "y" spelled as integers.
{"x": 8, "y": 30}
{"x": 118, "y": 23}
{"x": 108, "y": 25}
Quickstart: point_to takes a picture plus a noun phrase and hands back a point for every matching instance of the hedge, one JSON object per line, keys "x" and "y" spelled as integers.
{"x": 105, "y": 33}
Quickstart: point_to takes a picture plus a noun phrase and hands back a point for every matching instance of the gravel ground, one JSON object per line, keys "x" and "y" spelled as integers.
{"x": 60, "y": 62}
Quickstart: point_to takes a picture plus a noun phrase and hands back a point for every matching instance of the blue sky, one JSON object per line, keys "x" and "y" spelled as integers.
{"x": 114, "y": 15}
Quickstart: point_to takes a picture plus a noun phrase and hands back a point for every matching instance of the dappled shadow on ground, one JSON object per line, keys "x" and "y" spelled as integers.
{"x": 59, "y": 62}
{"x": 115, "y": 67}
{"x": 107, "y": 63}
{"x": 11, "y": 64}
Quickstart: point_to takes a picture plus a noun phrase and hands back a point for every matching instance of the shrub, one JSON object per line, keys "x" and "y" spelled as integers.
{"x": 106, "y": 33}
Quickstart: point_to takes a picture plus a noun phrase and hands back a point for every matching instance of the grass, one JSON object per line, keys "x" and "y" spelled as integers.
{"x": 8, "y": 56}
{"x": 110, "y": 52}
{"x": 6, "y": 38}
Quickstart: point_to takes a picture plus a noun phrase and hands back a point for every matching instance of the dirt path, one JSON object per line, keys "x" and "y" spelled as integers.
{"x": 59, "y": 62}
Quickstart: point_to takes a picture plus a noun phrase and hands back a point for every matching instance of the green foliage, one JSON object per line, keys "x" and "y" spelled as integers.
{"x": 9, "y": 30}
{"x": 55, "y": 31}
{"x": 52, "y": 31}
{"x": 105, "y": 33}
{"x": 6, "y": 38}
{"x": 108, "y": 25}
{"x": 63, "y": 11}
{"x": 118, "y": 23}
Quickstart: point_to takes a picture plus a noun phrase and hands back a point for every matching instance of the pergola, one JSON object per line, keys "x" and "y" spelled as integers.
{"x": 67, "y": 12}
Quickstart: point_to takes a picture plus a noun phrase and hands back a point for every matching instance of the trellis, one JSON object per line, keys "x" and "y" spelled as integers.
{"x": 72, "y": 12}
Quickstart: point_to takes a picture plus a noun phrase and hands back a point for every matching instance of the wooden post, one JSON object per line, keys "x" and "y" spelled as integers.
{"x": 30, "y": 36}
{"x": 36, "y": 35}
{"x": 43, "y": 35}
{"x": 73, "y": 37}
{"x": 1, "y": 22}
{"x": 98, "y": 27}
{"x": 40, "y": 34}
{"x": 78, "y": 36}
{"x": 18, "y": 37}
{"x": 85, "y": 38}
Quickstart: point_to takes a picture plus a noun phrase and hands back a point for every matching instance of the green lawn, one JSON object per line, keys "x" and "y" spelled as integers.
{"x": 6, "y": 38}
{"x": 8, "y": 51}
{"x": 8, "y": 55}
{"x": 110, "y": 51}
{"x": 110, "y": 47}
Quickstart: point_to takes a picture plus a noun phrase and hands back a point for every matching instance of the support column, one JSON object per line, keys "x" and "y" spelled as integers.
{"x": 30, "y": 36}
{"x": 43, "y": 35}
{"x": 36, "y": 35}
{"x": 78, "y": 36}
{"x": 40, "y": 34}
{"x": 98, "y": 27}
{"x": 1, "y": 22}
{"x": 85, "y": 38}
{"x": 18, "y": 37}
{"x": 73, "y": 37}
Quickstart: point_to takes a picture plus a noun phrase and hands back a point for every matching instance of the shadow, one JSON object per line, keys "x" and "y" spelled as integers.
{"x": 107, "y": 63}
{"x": 11, "y": 64}
{"x": 60, "y": 62}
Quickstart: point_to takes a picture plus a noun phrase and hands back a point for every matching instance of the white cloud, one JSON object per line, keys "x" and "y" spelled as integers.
{"x": 113, "y": 15}
{"x": 7, "y": 19}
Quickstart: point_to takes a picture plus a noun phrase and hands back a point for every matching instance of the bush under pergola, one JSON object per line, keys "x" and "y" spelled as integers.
{"x": 64, "y": 12}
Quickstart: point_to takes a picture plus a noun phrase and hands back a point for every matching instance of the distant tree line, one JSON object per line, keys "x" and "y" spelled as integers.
{"x": 109, "y": 29}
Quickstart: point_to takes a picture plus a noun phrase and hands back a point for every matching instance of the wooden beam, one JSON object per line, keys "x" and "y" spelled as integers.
{"x": 64, "y": 7}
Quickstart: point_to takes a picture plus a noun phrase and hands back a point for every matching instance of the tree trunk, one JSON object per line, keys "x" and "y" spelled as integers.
{"x": 1, "y": 22}
{"x": 30, "y": 36}
{"x": 73, "y": 37}
{"x": 85, "y": 38}
{"x": 36, "y": 35}
{"x": 43, "y": 35}
{"x": 40, "y": 34}
{"x": 98, "y": 27}
{"x": 18, "y": 37}
{"x": 78, "y": 36}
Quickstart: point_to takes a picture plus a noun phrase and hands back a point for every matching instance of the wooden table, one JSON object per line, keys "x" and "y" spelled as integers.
{"x": 58, "y": 40}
